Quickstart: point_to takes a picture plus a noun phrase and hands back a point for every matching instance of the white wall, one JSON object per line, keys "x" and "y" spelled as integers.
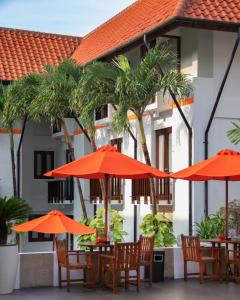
{"x": 38, "y": 136}
{"x": 207, "y": 85}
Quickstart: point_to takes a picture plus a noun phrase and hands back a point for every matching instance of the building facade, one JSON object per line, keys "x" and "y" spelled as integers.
{"x": 204, "y": 36}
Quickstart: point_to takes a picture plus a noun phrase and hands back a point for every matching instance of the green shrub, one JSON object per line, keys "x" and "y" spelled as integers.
{"x": 160, "y": 227}
{"x": 116, "y": 226}
{"x": 211, "y": 226}
{"x": 13, "y": 211}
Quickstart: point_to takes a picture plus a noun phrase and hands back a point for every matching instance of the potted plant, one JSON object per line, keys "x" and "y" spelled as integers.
{"x": 212, "y": 226}
{"x": 11, "y": 210}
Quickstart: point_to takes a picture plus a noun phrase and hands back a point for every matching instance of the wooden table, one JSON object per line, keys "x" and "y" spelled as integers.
{"x": 217, "y": 244}
{"x": 97, "y": 248}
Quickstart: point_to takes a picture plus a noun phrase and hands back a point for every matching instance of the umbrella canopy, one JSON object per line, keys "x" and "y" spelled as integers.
{"x": 55, "y": 222}
{"x": 225, "y": 165}
{"x": 107, "y": 162}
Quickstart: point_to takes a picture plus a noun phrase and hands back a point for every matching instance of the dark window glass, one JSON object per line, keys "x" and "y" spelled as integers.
{"x": 43, "y": 162}
{"x": 101, "y": 112}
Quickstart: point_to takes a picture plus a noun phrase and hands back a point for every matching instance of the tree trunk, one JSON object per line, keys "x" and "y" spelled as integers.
{"x": 13, "y": 163}
{"x": 101, "y": 181}
{"x": 148, "y": 162}
{"x": 70, "y": 147}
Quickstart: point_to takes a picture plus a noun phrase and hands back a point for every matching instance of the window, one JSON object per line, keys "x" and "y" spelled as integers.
{"x": 57, "y": 127}
{"x": 37, "y": 236}
{"x": 101, "y": 112}
{"x": 43, "y": 162}
{"x": 141, "y": 187}
{"x": 164, "y": 162}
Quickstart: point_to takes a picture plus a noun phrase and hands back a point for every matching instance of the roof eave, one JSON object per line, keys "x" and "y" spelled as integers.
{"x": 165, "y": 27}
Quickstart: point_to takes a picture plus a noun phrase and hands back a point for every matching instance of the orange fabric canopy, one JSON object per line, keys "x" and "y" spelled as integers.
{"x": 55, "y": 222}
{"x": 107, "y": 162}
{"x": 225, "y": 165}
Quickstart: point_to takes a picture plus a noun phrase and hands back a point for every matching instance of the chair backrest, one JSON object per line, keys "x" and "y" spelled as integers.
{"x": 191, "y": 248}
{"x": 127, "y": 255}
{"x": 146, "y": 247}
{"x": 62, "y": 250}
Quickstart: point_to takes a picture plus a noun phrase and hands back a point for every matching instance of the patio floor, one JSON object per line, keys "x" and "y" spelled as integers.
{"x": 168, "y": 290}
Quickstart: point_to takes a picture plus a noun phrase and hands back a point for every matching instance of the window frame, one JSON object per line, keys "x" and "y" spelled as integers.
{"x": 165, "y": 132}
{"x": 43, "y": 153}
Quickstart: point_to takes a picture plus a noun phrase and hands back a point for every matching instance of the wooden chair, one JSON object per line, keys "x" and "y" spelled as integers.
{"x": 73, "y": 260}
{"x": 233, "y": 258}
{"x": 192, "y": 252}
{"x": 146, "y": 248}
{"x": 126, "y": 258}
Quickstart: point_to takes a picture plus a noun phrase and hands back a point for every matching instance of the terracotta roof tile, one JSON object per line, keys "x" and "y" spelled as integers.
{"x": 144, "y": 15}
{"x": 23, "y": 51}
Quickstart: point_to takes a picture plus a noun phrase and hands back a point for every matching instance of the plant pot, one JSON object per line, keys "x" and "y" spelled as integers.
{"x": 9, "y": 259}
{"x": 221, "y": 236}
{"x": 102, "y": 240}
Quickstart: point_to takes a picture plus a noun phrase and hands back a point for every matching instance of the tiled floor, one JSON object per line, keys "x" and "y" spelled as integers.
{"x": 168, "y": 290}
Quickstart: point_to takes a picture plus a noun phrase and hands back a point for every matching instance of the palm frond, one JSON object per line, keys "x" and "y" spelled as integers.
{"x": 234, "y": 133}
{"x": 13, "y": 208}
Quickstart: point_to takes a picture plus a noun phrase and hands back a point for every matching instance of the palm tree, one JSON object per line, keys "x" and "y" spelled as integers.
{"x": 234, "y": 133}
{"x": 135, "y": 88}
{"x": 17, "y": 99}
{"x": 10, "y": 210}
{"x": 87, "y": 98}
{"x": 53, "y": 102}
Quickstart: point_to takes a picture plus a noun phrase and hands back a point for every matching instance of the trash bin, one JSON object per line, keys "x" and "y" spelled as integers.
{"x": 158, "y": 267}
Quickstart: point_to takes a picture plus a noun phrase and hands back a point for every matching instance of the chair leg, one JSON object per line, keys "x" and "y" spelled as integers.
{"x": 185, "y": 270}
{"x": 60, "y": 277}
{"x": 150, "y": 274}
{"x": 68, "y": 280}
{"x": 115, "y": 281}
{"x": 201, "y": 269}
{"x": 126, "y": 279}
{"x": 138, "y": 280}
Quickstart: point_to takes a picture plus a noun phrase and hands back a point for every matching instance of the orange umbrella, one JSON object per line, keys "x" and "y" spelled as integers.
{"x": 107, "y": 163}
{"x": 225, "y": 165}
{"x": 55, "y": 222}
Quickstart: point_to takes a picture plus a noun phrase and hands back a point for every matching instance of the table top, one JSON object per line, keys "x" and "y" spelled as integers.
{"x": 221, "y": 241}
{"x": 95, "y": 245}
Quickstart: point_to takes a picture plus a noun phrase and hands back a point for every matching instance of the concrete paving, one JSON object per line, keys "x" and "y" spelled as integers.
{"x": 168, "y": 290}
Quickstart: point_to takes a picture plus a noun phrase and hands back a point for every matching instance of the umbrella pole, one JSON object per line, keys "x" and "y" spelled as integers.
{"x": 106, "y": 204}
{"x": 226, "y": 216}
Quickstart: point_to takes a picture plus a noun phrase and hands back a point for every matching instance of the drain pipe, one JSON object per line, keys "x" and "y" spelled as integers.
{"x": 18, "y": 157}
{"x": 206, "y": 141}
{"x": 190, "y": 135}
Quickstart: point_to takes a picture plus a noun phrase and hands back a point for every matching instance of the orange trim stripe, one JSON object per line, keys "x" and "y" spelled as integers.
{"x": 181, "y": 103}
{"x": 14, "y": 131}
{"x": 184, "y": 102}
{"x": 77, "y": 132}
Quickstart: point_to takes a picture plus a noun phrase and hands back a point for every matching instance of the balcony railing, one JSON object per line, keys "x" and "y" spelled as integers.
{"x": 61, "y": 191}
{"x": 141, "y": 189}
{"x": 115, "y": 190}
